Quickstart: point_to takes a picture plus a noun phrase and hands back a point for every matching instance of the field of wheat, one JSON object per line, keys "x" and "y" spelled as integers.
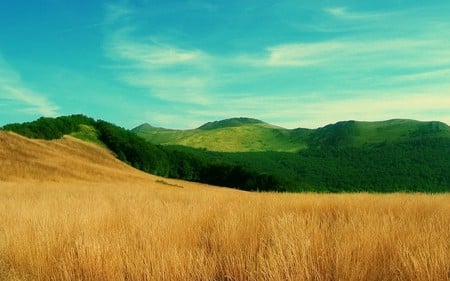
{"x": 161, "y": 231}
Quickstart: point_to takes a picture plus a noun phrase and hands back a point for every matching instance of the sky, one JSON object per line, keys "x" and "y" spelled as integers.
{"x": 179, "y": 64}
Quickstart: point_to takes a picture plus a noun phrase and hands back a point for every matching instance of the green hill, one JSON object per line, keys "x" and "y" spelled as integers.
{"x": 359, "y": 134}
{"x": 230, "y": 135}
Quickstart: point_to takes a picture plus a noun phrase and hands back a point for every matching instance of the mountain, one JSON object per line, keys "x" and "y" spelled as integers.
{"x": 252, "y": 135}
{"x": 230, "y": 135}
{"x": 232, "y": 122}
{"x": 360, "y": 134}
{"x": 383, "y": 156}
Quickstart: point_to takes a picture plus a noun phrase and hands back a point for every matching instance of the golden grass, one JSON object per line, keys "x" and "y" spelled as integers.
{"x": 140, "y": 227}
{"x": 59, "y": 161}
{"x": 134, "y": 231}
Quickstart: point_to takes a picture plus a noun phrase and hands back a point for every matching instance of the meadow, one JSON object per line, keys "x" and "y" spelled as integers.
{"x": 69, "y": 210}
{"x": 158, "y": 229}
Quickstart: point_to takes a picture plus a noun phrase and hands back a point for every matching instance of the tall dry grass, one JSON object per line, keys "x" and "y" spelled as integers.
{"x": 151, "y": 231}
{"x": 70, "y": 211}
{"x": 62, "y": 160}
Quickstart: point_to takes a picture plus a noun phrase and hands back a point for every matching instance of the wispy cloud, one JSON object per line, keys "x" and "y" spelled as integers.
{"x": 345, "y": 13}
{"x": 116, "y": 12}
{"x": 424, "y": 76}
{"x": 168, "y": 72}
{"x": 356, "y": 53}
{"x": 24, "y": 100}
{"x": 153, "y": 54}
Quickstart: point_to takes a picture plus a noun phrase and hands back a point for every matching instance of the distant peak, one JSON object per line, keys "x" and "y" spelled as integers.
{"x": 145, "y": 126}
{"x": 231, "y": 122}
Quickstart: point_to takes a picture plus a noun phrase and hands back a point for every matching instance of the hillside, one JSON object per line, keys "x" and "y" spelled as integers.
{"x": 251, "y": 135}
{"x": 230, "y": 135}
{"x": 143, "y": 155}
{"x": 65, "y": 159}
{"x": 384, "y": 156}
{"x": 350, "y": 156}
{"x": 360, "y": 134}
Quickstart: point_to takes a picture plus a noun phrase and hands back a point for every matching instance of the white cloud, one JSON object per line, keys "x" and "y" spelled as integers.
{"x": 151, "y": 55}
{"x": 357, "y": 53}
{"x": 344, "y": 13}
{"x": 441, "y": 74}
{"x": 26, "y": 100}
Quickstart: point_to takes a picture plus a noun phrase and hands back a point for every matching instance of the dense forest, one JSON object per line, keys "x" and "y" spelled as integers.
{"x": 416, "y": 166}
{"x": 420, "y": 164}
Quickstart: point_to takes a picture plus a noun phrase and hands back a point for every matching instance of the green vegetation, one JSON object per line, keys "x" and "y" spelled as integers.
{"x": 350, "y": 156}
{"x": 87, "y": 133}
{"x": 231, "y": 135}
{"x": 386, "y": 156}
{"x": 415, "y": 166}
{"x": 52, "y": 128}
{"x": 251, "y": 135}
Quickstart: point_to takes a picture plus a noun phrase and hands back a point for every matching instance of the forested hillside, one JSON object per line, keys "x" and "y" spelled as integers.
{"x": 389, "y": 156}
{"x": 384, "y": 156}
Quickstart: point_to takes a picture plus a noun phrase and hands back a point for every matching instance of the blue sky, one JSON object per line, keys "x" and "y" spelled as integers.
{"x": 179, "y": 64}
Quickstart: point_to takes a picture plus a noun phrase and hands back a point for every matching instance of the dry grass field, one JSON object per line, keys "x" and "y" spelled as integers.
{"x": 70, "y": 211}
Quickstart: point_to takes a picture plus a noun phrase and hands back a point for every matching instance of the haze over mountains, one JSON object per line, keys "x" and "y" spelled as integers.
{"x": 249, "y": 154}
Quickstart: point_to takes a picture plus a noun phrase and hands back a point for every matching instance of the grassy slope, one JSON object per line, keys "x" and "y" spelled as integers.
{"x": 61, "y": 160}
{"x": 360, "y": 134}
{"x": 231, "y": 135}
{"x": 88, "y": 133}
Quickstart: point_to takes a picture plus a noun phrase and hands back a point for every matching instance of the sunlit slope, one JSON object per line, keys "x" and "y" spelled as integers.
{"x": 59, "y": 160}
{"x": 359, "y": 134}
{"x": 230, "y": 135}
{"x": 251, "y": 135}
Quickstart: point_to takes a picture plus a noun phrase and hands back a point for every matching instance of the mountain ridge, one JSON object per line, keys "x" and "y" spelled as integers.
{"x": 348, "y": 156}
{"x": 248, "y": 134}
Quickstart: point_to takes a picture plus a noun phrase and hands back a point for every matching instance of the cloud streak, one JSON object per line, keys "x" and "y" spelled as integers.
{"x": 343, "y": 13}
{"x": 359, "y": 53}
{"x": 23, "y": 99}
{"x": 167, "y": 72}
